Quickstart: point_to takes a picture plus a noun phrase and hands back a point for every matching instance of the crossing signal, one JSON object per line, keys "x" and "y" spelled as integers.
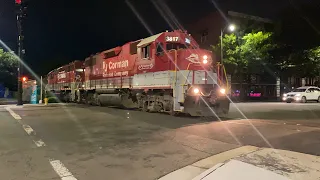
{"x": 18, "y": 2}
{"x": 24, "y": 79}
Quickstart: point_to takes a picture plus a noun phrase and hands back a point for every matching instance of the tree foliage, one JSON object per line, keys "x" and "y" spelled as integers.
{"x": 247, "y": 51}
{"x": 307, "y": 62}
{"x": 300, "y": 63}
{"x": 8, "y": 69}
{"x": 257, "y": 52}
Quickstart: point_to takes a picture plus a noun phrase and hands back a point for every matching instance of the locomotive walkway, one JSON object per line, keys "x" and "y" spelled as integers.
{"x": 88, "y": 142}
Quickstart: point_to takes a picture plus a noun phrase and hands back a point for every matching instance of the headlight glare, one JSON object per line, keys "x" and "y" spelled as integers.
{"x": 205, "y": 61}
{"x": 222, "y": 91}
{"x": 196, "y": 90}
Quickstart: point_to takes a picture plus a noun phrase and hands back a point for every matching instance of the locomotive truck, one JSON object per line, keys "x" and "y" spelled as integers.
{"x": 166, "y": 72}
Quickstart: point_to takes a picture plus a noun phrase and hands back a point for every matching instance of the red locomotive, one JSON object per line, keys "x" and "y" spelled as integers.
{"x": 166, "y": 72}
{"x": 66, "y": 79}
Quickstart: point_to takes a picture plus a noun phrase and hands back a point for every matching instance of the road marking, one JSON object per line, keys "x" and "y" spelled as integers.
{"x": 39, "y": 143}
{"x": 13, "y": 114}
{"x": 61, "y": 170}
{"x": 57, "y": 165}
{"x": 28, "y": 129}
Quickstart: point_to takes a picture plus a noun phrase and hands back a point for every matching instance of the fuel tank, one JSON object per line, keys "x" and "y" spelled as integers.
{"x": 119, "y": 100}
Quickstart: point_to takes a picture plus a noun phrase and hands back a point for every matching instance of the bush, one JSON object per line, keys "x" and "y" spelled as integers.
{"x": 53, "y": 100}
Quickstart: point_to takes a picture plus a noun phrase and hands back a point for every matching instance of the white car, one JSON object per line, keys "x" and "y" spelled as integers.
{"x": 302, "y": 94}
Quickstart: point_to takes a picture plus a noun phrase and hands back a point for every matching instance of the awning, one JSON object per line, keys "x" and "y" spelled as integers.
{"x": 149, "y": 40}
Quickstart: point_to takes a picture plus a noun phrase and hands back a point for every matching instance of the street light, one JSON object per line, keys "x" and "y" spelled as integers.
{"x": 231, "y": 27}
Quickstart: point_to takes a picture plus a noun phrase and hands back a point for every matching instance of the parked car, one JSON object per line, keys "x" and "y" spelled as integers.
{"x": 302, "y": 94}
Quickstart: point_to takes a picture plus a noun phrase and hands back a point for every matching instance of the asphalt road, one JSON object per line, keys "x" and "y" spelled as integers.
{"x": 87, "y": 142}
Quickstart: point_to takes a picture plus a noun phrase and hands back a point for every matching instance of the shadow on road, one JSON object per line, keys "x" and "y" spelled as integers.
{"x": 279, "y": 115}
{"x": 250, "y": 111}
{"x": 304, "y": 142}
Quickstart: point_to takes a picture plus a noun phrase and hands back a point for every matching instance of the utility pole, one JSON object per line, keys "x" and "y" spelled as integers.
{"x": 21, "y": 51}
{"x": 40, "y": 101}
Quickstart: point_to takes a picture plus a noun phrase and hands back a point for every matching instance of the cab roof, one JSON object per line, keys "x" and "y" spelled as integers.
{"x": 148, "y": 40}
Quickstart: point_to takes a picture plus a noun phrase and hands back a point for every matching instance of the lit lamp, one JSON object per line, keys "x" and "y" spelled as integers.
{"x": 205, "y": 59}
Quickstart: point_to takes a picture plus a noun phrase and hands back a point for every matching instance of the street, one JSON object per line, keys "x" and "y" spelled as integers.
{"x": 89, "y": 142}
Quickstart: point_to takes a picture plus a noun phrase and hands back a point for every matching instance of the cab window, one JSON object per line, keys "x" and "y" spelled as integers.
{"x": 176, "y": 46}
{"x": 159, "y": 48}
{"x": 145, "y": 51}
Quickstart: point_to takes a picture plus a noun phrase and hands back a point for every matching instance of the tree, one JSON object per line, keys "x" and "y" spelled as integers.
{"x": 8, "y": 69}
{"x": 300, "y": 63}
{"x": 246, "y": 51}
{"x": 313, "y": 61}
{"x": 246, "y": 54}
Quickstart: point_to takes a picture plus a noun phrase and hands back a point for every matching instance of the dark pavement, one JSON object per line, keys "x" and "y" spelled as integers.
{"x": 110, "y": 143}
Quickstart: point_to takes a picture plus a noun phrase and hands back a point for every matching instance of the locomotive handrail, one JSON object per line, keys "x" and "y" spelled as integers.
{"x": 220, "y": 80}
{"x": 227, "y": 82}
{"x": 175, "y": 75}
{"x": 175, "y": 63}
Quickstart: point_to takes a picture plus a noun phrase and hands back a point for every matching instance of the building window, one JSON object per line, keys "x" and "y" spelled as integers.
{"x": 204, "y": 36}
{"x": 145, "y": 51}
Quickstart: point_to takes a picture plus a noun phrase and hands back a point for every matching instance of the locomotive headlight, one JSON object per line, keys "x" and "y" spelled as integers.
{"x": 222, "y": 91}
{"x": 196, "y": 90}
{"x": 205, "y": 61}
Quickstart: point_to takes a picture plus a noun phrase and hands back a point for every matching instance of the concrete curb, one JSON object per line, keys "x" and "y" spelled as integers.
{"x": 39, "y": 105}
{"x": 193, "y": 170}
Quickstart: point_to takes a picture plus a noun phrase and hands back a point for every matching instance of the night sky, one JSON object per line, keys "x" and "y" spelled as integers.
{"x": 60, "y": 31}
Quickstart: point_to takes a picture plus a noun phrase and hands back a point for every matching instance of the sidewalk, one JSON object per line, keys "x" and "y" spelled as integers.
{"x": 5, "y": 101}
{"x": 251, "y": 163}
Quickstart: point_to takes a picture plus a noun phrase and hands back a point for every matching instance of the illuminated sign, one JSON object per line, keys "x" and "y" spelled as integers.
{"x": 172, "y": 39}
